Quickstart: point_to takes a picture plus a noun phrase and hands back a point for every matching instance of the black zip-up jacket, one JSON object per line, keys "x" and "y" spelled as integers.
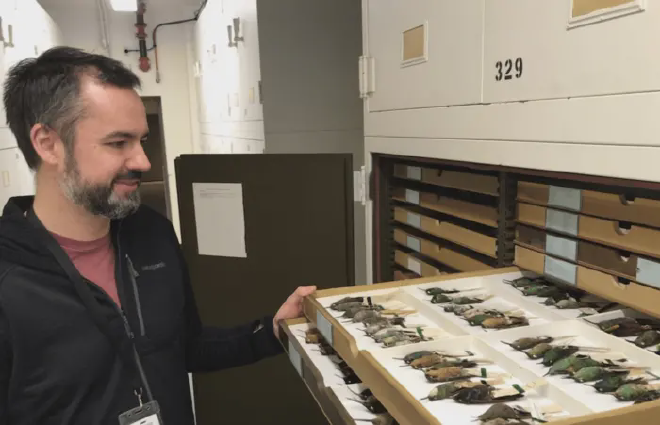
{"x": 58, "y": 367}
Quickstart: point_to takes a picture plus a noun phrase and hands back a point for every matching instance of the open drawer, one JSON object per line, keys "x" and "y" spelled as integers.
{"x": 339, "y": 336}
{"x": 335, "y": 397}
{"x": 402, "y": 389}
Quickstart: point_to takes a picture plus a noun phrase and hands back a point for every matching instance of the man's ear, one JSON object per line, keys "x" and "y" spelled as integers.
{"x": 47, "y": 143}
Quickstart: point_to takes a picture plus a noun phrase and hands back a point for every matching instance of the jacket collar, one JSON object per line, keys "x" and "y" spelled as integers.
{"x": 22, "y": 243}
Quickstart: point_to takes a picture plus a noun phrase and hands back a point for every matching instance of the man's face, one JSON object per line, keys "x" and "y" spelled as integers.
{"x": 103, "y": 169}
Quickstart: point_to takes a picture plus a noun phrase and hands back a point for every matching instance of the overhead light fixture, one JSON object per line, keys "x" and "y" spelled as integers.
{"x": 124, "y": 5}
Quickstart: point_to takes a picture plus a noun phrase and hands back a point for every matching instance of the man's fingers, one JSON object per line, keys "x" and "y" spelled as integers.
{"x": 304, "y": 291}
{"x": 300, "y": 293}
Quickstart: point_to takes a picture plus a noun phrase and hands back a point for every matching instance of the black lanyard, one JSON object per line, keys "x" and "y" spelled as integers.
{"x": 122, "y": 343}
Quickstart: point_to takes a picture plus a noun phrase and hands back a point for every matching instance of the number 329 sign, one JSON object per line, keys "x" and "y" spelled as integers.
{"x": 507, "y": 69}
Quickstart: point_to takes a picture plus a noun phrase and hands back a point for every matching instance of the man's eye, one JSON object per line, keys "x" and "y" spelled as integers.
{"x": 119, "y": 144}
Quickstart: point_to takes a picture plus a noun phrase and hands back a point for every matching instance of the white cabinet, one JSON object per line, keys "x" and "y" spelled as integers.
{"x": 563, "y": 85}
{"x": 247, "y": 146}
{"x": 613, "y": 56}
{"x": 15, "y": 177}
{"x": 426, "y": 53}
{"x": 228, "y": 81}
{"x": 27, "y": 31}
{"x": 247, "y": 52}
{"x": 7, "y": 58}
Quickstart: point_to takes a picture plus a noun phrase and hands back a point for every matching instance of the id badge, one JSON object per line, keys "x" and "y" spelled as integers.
{"x": 147, "y": 414}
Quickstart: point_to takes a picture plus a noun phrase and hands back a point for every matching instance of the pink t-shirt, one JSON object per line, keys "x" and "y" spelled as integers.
{"x": 95, "y": 260}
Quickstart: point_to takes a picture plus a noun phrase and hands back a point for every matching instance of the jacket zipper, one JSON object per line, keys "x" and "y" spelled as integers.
{"x": 134, "y": 274}
{"x": 127, "y": 327}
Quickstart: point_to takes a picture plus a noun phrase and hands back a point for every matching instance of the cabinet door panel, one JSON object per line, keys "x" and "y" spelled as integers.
{"x": 549, "y": 60}
{"x": 425, "y": 55}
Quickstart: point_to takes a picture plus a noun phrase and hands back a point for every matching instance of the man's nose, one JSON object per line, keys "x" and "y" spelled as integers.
{"x": 139, "y": 160}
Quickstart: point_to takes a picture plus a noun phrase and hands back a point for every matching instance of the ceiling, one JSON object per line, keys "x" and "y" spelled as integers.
{"x": 92, "y": 3}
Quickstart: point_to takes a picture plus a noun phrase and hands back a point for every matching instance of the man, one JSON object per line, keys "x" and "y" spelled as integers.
{"x": 88, "y": 330}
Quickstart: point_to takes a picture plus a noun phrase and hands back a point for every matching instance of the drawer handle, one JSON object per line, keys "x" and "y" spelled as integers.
{"x": 625, "y": 256}
{"x": 620, "y": 282}
{"x": 623, "y": 227}
{"x": 627, "y": 199}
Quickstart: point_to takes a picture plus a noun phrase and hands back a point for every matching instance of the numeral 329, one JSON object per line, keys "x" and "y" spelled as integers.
{"x": 507, "y": 69}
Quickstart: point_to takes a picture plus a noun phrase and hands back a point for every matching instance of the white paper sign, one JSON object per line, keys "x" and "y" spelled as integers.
{"x": 219, "y": 219}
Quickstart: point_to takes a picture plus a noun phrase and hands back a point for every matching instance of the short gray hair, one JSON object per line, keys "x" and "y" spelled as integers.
{"x": 46, "y": 90}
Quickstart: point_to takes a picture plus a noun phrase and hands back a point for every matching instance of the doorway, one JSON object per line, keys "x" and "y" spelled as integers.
{"x": 154, "y": 189}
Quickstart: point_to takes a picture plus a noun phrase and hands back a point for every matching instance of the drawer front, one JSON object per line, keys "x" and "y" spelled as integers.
{"x": 613, "y": 206}
{"x": 426, "y": 55}
{"x": 537, "y": 50}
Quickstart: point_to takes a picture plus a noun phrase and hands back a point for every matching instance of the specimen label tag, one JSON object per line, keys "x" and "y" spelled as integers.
{"x": 414, "y": 220}
{"x": 324, "y": 327}
{"x": 414, "y": 173}
{"x": 295, "y": 358}
{"x": 565, "y": 197}
{"x": 412, "y": 196}
{"x": 562, "y": 221}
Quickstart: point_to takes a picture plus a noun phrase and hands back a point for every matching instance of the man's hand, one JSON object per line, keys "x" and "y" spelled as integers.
{"x": 292, "y": 307}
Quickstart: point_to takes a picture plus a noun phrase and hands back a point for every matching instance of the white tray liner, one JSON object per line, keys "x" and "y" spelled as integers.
{"x": 328, "y": 369}
{"x": 576, "y": 399}
{"x": 504, "y": 298}
{"x": 625, "y": 312}
{"x": 449, "y": 412}
{"x": 356, "y": 330}
{"x": 587, "y": 336}
{"x": 354, "y": 409}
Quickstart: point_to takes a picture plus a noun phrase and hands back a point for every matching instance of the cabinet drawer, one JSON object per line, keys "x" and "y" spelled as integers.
{"x": 641, "y": 297}
{"x": 472, "y": 182}
{"x": 445, "y": 255}
{"x": 484, "y": 214}
{"x": 415, "y": 265}
{"x": 607, "y": 259}
{"x": 426, "y": 55}
{"x": 599, "y": 204}
{"x": 532, "y": 51}
{"x": 460, "y": 235}
{"x": 314, "y": 370}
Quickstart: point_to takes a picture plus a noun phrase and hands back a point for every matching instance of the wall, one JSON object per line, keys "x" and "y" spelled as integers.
{"x": 33, "y": 32}
{"x": 81, "y": 29}
{"x": 305, "y": 54}
{"x": 309, "y": 65}
{"x": 229, "y": 108}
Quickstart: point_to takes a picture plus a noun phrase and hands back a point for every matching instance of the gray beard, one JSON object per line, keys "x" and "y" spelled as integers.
{"x": 99, "y": 200}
